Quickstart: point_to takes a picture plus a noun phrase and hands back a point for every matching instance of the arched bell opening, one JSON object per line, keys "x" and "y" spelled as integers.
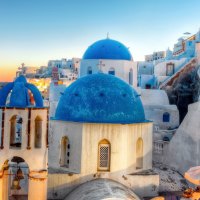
{"x": 16, "y": 122}
{"x": 38, "y": 132}
{"x": 15, "y": 179}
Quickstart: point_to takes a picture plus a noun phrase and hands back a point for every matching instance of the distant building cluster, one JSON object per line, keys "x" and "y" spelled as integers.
{"x": 158, "y": 68}
{"x": 41, "y": 76}
{"x": 155, "y": 56}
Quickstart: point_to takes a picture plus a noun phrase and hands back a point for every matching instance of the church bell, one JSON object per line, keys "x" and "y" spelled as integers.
{"x": 15, "y": 184}
{"x": 20, "y": 174}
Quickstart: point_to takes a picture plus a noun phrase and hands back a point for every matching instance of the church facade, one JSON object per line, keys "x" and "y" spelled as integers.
{"x": 24, "y": 141}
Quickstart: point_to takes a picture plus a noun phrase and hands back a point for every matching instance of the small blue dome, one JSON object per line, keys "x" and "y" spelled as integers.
{"x": 18, "y": 94}
{"x": 100, "y": 98}
{"x": 107, "y": 49}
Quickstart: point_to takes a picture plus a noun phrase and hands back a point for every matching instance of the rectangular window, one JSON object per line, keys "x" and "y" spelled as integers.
{"x": 169, "y": 69}
{"x": 166, "y": 117}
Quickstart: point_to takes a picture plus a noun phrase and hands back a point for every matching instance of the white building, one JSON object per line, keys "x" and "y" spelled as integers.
{"x": 168, "y": 65}
{"x": 74, "y": 64}
{"x": 167, "y": 68}
{"x": 24, "y": 142}
{"x": 64, "y": 63}
{"x": 157, "y": 55}
{"x": 55, "y": 92}
{"x": 57, "y": 63}
{"x": 185, "y": 47}
{"x": 100, "y": 131}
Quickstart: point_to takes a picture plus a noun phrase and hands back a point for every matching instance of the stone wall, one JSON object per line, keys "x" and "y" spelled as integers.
{"x": 184, "y": 148}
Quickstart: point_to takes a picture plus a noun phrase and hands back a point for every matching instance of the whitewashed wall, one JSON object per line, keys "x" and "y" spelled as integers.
{"x": 155, "y": 114}
{"x": 160, "y": 68}
{"x": 184, "y": 148}
{"x": 122, "y": 68}
{"x": 73, "y": 131}
{"x": 154, "y": 97}
{"x": 146, "y": 68}
{"x": 123, "y": 140}
{"x": 84, "y": 154}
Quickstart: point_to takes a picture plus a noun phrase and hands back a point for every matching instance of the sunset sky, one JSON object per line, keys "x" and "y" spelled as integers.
{"x": 35, "y": 31}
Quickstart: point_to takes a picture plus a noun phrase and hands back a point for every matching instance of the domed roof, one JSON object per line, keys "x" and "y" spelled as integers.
{"x": 106, "y": 189}
{"x": 100, "y": 98}
{"x": 107, "y": 49}
{"x": 18, "y": 94}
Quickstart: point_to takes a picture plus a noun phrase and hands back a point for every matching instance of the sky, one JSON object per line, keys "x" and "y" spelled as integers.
{"x": 35, "y": 31}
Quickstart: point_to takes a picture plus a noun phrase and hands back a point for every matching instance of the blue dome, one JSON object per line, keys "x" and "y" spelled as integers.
{"x": 107, "y": 49}
{"x": 21, "y": 79}
{"x": 18, "y": 92}
{"x": 100, "y": 98}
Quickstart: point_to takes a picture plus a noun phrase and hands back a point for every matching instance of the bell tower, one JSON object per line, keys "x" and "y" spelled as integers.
{"x": 23, "y": 142}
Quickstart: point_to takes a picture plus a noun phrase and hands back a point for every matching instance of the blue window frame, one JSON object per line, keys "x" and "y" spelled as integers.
{"x": 166, "y": 117}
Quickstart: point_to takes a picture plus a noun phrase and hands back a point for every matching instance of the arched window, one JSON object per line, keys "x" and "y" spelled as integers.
{"x": 131, "y": 77}
{"x": 104, "y": 155}
{"x": 16, "y": 131}
{"x": 64, "y": 156}
{"x": 139, "y": 154}
{"x": 89, "y": 70}
{"x": 166, "y": 117}
{"x": 38, "y": 132}
{"x": 111, "y": 71}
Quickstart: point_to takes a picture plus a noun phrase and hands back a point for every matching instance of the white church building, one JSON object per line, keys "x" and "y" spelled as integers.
{"x": 111, "y": 57}
{"x": 23, "y": 142}
{"x": 100, "y": 131}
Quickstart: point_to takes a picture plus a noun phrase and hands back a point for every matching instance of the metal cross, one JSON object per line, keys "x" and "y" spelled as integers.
{"x": 100, "y": 65}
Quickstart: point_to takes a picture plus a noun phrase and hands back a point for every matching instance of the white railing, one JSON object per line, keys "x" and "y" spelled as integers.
{"x": 158, "y": 147}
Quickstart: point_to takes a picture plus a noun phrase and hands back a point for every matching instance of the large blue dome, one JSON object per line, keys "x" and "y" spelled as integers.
{"x": 107, "y": 49}
{"x": 100, "y": 98}
{"x": 17, "y": 93}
